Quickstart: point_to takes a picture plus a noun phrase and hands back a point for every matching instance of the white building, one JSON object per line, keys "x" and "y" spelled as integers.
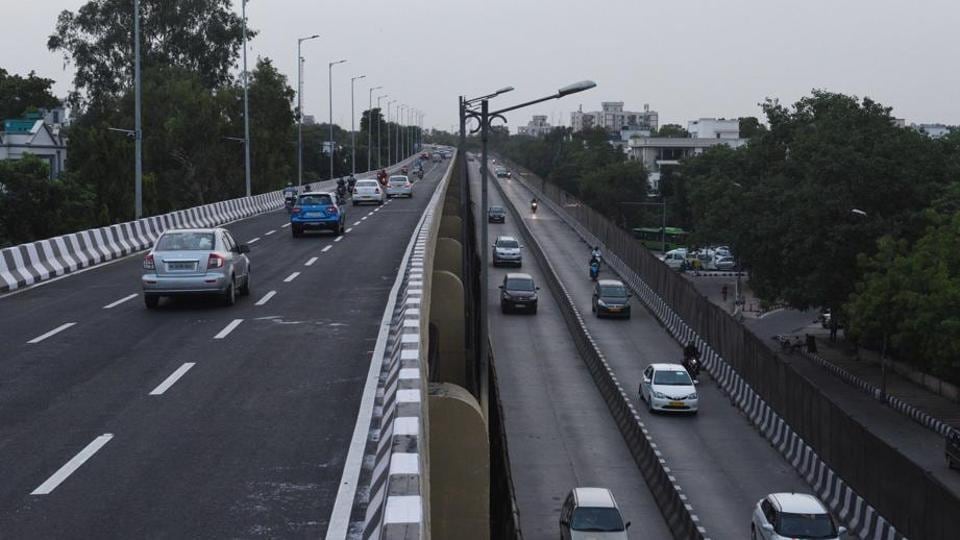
{"x": 712, "y": 128}
{"x": 934, "y": 131}
{"x": 538, "y": 127}
{"x": 656, "y": 153}
{"x": 31, "y": 135}
{"x": 614, "y": 119}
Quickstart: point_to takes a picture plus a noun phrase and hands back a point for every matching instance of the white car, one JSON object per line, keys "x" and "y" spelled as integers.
{"x": 668, "y": 387}
{"x": 399, "y": 186}
{"x": 368, "y": 190}
{"x": 781, "y": 516}
{"x": 590, "y": 513}
{"x": 725, "y": 263}
{"x": 675, "y": 258}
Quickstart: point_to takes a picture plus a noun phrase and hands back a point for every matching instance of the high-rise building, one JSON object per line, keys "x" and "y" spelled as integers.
{"x": 613, "y": 118}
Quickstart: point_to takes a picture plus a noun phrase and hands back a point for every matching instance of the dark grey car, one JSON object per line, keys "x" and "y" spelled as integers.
{"x": 518, "y": 293}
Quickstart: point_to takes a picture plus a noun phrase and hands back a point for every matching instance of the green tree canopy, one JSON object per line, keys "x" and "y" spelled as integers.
{"x": 21, "y": 94}
{"x": 674, "y": 131}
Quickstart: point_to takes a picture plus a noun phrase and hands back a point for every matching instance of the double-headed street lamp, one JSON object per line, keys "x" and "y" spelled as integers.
{"x": 353, "y": 129}
{"x": 370, "y": 127}
{"x": 484, "y": 117}
{"x": 300, "y": 107}
{"x": 330, "y": 77}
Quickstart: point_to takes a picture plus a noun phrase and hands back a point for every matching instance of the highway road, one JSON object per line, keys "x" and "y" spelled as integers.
{"x": 721, "y": 462}
{"x": 194, "y": 420}
{"x": 559, "y": 430}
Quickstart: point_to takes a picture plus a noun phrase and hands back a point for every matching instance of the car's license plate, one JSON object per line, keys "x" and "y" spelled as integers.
{"x": 520, "y": 305}
{"x": 313, "y": 214}
{"x": 614, "y": 309}
{"x": 180, "y": 266}
{"x": 676, "y": 404}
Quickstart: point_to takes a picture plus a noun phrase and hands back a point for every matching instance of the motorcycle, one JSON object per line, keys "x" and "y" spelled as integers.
{"x": 341, "y": 190}
{"x": 692, "y": 365}
{"x": 351, "y": 182}
{"x": 533, "y": 207}
{"x": 594, "y": 269}
{"x": 289, "y": 202}
{"x": 420, "y": 174}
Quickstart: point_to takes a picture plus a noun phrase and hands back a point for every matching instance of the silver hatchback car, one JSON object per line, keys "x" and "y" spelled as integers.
{"x": 196, "y": 261}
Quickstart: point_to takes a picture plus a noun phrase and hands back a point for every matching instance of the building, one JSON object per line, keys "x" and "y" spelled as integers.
{"x": 614, "y": 119}
{"x": 33, "y": 135}
{"x": 712, "y": 128}
{"x": 538, "y": 127}
{"x": 658, "y": 153}
{"x": 934, "y": 131}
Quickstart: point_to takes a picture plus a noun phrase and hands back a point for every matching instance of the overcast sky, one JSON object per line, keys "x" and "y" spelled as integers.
{"x": 686, "y": 58}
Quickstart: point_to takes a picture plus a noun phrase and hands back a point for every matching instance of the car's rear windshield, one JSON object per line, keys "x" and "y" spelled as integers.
{"x": 366, "y": 183}
{"x": 508, "y": 244}
{"x": 613, "y": 291}
{"x": 672, "y": 377}
{"x": 496, "y": 210}
{"x": 520, "y": 284}
{"x": 308, "y": 200}
{"x": 186, "y": 241}
{"x": 806, "y": 526}
{"x": 596, "y": 520}
{"x": 398, "y": 180}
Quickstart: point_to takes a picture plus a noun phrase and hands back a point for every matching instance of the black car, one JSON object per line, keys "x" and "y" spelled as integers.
{"x": 953, "y": 449}
{"x": 518, "y": 292}
{"x": 611, "y": 299}
{"x": 496, "y": 214}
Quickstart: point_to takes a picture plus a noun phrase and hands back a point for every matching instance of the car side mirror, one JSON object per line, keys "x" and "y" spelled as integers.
{"x": 841, "y": 531}
{"x": 538, "y": 288}
{"x": 627, "y": 526}
{"x": 243, "y": 248}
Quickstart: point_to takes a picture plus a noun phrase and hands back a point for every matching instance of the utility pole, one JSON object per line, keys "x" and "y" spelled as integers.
{"x": 246, "y": 104}
{"x": 353, "y": 129}
{"x": 300, "y": 108}
{"x": 137, "y": 128}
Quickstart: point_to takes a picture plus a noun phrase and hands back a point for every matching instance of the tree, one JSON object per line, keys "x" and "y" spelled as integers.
{"x": 202, "y": 36}
{"x": 750, "y": 127}
{"x": 606, "y": 189}
{"x": 272, "y": 132}
{"x": 19, "y": 95}
{"x": 674, "y": 131}
{"x": 25, "y": 186}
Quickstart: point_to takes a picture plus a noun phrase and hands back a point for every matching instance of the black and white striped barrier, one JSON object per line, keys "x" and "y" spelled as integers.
{"x": 862, "y": 519}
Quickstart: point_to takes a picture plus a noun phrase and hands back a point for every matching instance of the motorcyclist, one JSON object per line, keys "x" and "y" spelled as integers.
{"x": 596, "y": 255}
{"x": 594, "y": 268}
{"x": 289, "y": 195}
{"x": 691, "y": 359}
{"x": 533, "y": 205}
{"x": 351, "y": 181}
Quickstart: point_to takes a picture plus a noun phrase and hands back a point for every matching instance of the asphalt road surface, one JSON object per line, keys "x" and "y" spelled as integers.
{"x": 194, "y": 420}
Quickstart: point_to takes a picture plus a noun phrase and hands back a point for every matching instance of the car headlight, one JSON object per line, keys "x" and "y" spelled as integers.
{"x": 601, "y": 303}
{"x": 659, "y": 395}
{"x": 691, "y": 396}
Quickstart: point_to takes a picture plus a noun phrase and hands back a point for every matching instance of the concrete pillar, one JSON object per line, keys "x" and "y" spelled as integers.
{"x": 459, "y": 465}
{"x": 447, "y": 313}
{"x": 448, "y": 255}
{"x": 450, "y": 226}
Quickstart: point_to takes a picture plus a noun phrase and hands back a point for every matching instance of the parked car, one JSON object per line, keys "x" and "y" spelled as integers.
{"x": 506, "y": 250}
{"x": 195, "y": 261}
{"x": 496, "y": 214}
{"x": 953, "y": 449}
{"x": 725, "y": 263}
{"x": 782, "y": 516}
{"x": 591, "y": 513}
{"x": 668, "y": 387}
{"x": 399, "y": 186}
{"x": 368, "y": 190}
{"x": 317, "y": 211}
{"x": 675, "y": 258}
{"x": 518, "y": 292}
{"x": 611, "y": 299}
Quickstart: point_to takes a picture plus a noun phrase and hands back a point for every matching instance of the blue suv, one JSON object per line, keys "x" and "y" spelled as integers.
{"x": 317, "y": 211}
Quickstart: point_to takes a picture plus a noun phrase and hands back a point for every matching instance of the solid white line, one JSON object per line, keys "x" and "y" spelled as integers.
{"x": 174, "y": 377}
{"x": 266, "y": 298}
{"x": 268, "y": 233}
{"x": 339, "y": 238}
{"x": 291, "y": 277}
{"x": 253, "y": 240}
{"x": 285, "y": 225}
{"x": 326, "y": 249}
{"x": 355, "y": 223}
{"x": 228, "y": 328}
{"x": 120, "y": 301}
{"x": 71, "y": 466}
{"x": 310, "y": 262}
{"x": 348, "y": 230}
{"x": 53, "y": 332}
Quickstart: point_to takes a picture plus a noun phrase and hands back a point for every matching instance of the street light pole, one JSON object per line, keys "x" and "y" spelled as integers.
{"x": 353, "y": 129}
{"x": 370, "y": 127}
{"x": 330, "y": 80}
{"x": 300, "y": 107}
{"x": 379, "y": 131}
{"x": 138, "y": 131}
{"x": 246, "y": 104}
{"x": 389, "y": 143}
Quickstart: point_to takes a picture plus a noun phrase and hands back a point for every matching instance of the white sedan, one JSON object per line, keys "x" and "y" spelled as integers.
{"x": 368, "y": 190}
{"x": 399, "y": 186}
{"x": 781, "y": 516}
{"x": 668, "y": 387}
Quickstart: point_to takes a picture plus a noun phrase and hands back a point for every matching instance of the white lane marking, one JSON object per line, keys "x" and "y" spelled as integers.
{"x": 268, "y": 233}
{"x": 253, "y": 240}
{"x": 266, "y": 298}
{"x": 310, "y": 262}
{"x": 348, "y": 230}
{"x": 53, "y": 332}
{"x": 71, "y": 466}
{"x": 326, "y": 249}
{"x": 112, "y": 305}
{"x": 174, "y": 377}
{"x": 291, "y": 277}
{"x": 339, "y": 238}
{"x": 228, "y": 328}
{"x": 285, "y": 225}
{"x": 370, "y": 214}
{"x": 355, "y": 223}
{"x": 364, "y": 218}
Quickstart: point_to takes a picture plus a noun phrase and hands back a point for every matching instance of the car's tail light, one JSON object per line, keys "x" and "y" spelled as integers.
{"x": 296, "y": 210}
{"x": 332, "y": 210}
{"x": 215, "y": 261}
{"x": 407, "y": 184}
{"x": 148, "y": 263}
{"x": 376, "y": 191}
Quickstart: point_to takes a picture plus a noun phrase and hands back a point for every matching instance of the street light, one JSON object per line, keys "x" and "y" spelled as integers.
{"x": 353, "y": 129}
{"x": 137, "y": 127}
{"x": 883, "y": 346}
{"x": 330, "y": 77}
{"x": 389, "y": 143}
{"x": 370, "y": 127}
{"x": 300, "y": 107}
{"x": 246, "y": 104}
{"x": 484, "y": 116}
{"x": 379, "y": 131}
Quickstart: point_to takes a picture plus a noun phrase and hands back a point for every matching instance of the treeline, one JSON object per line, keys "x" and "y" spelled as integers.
{"x": 192, "y": 121}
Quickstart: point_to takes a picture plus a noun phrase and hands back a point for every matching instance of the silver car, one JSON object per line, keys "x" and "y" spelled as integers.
{"x": 196, "y": 261}
{"x": 506, "y": 251}
{"x": 368, "y": 190}
{"x": 399, "y": 186}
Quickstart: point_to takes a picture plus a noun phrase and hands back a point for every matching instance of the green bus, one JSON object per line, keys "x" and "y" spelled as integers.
{"x": 653, "y": 237}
